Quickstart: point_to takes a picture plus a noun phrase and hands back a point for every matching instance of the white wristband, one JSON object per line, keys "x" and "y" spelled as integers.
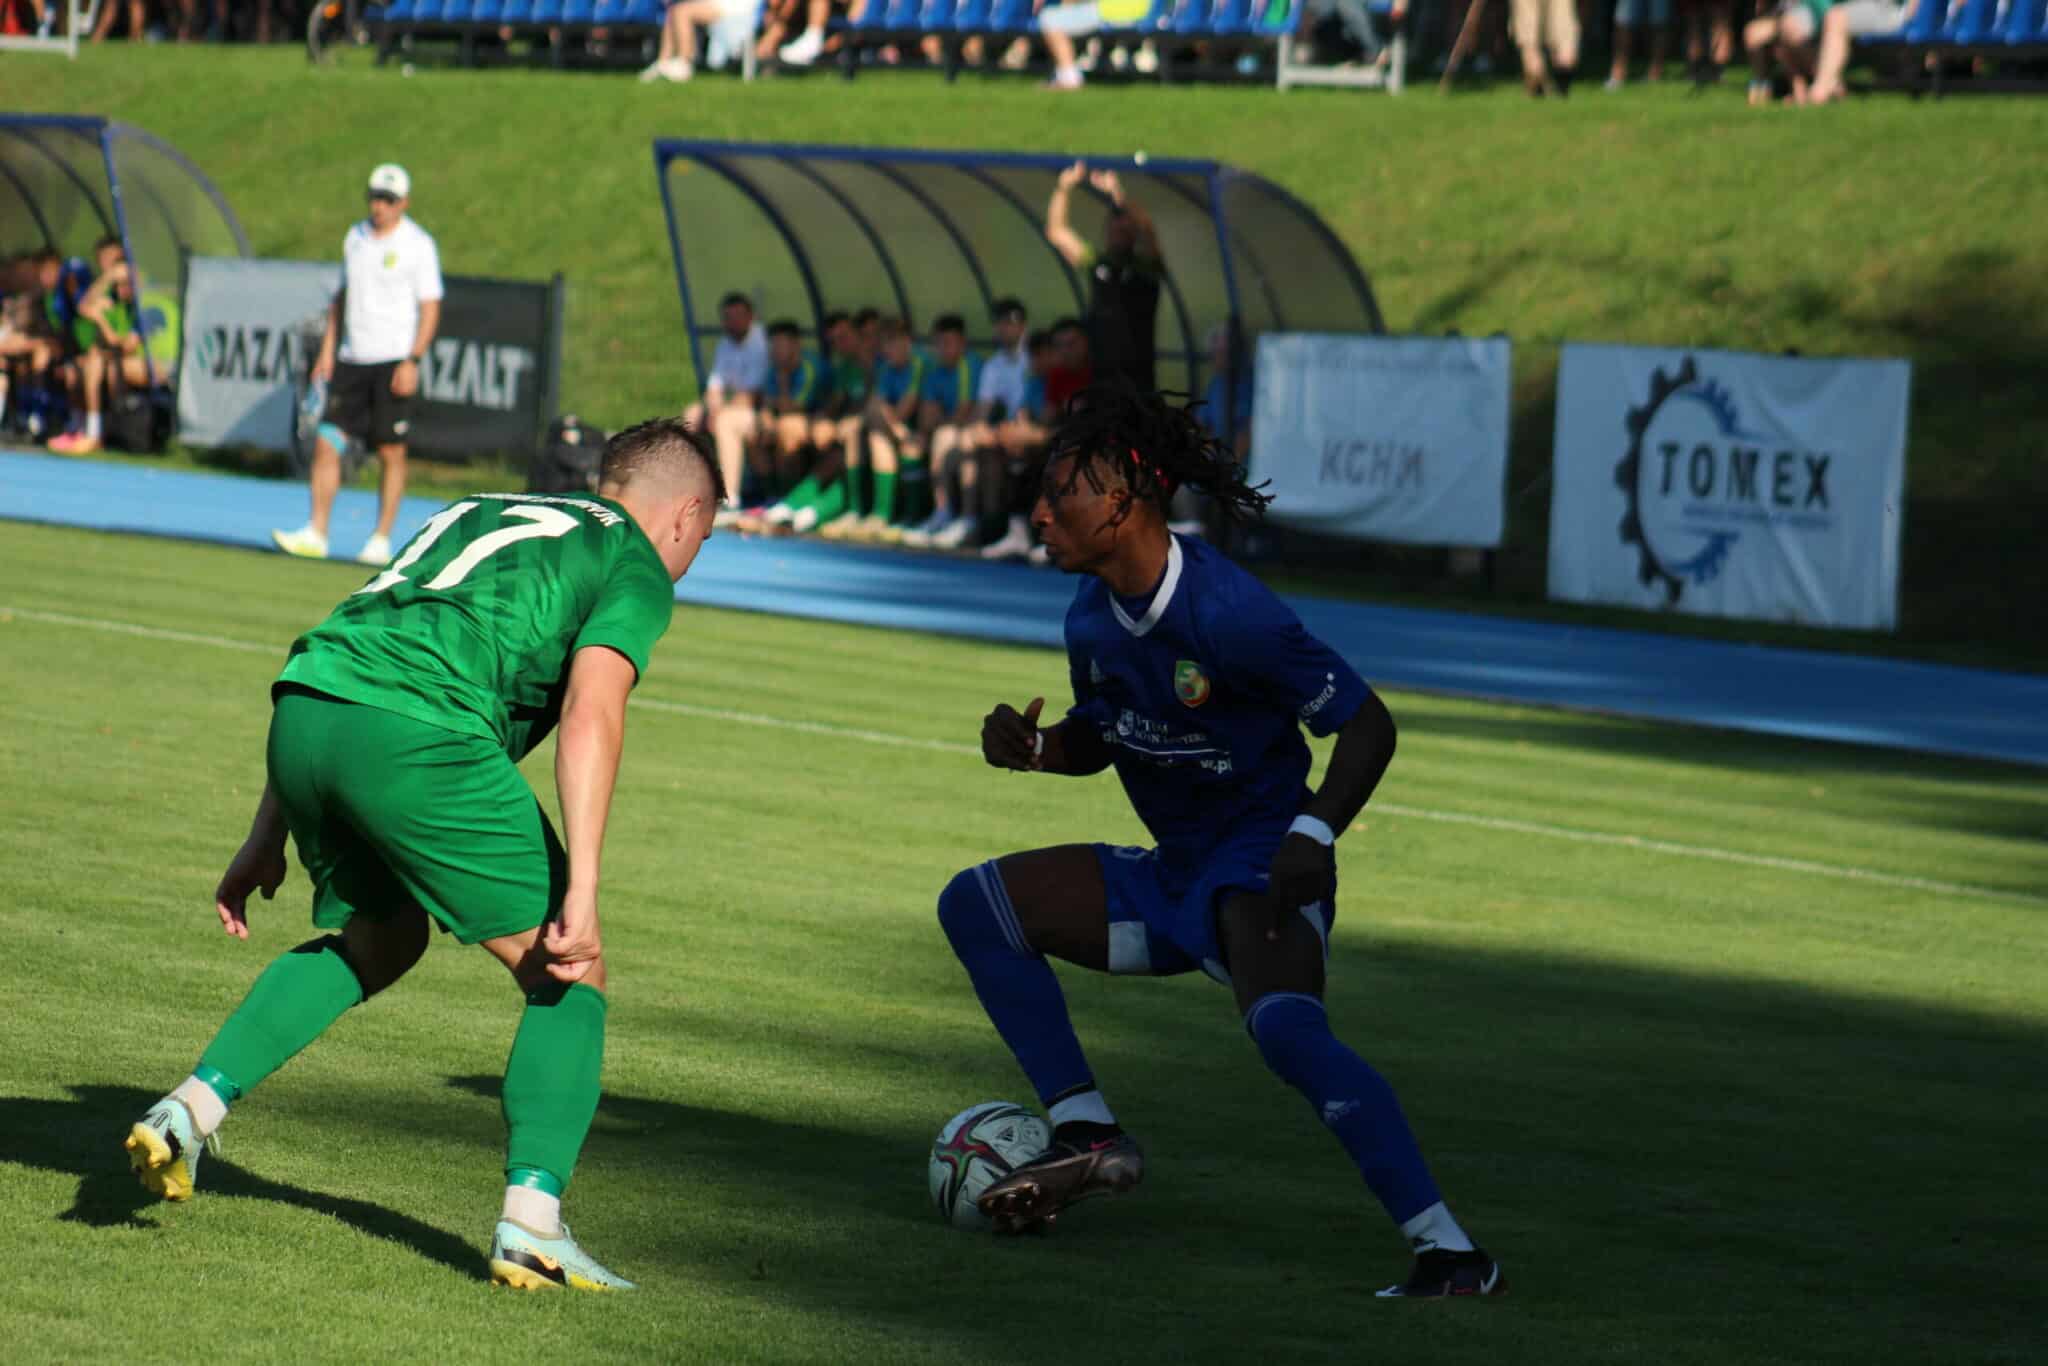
{"x": 1037, "y": 747}
{"x": 1317, "y": 830}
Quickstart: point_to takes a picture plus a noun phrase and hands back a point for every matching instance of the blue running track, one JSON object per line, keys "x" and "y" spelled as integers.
{"x": 1805, "y": 693}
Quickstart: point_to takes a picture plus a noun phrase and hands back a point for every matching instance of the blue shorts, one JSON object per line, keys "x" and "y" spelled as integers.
{"x": 1162, "y": 921}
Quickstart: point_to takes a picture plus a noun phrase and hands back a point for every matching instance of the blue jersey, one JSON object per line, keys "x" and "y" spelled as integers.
{"x": 895, "y": 382}
{"x": 949, "y": 386}
{"x": 1201, "y": 694}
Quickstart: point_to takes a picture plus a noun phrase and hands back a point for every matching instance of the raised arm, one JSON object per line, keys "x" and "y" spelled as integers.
{"x": 1058, "y": 230}
{"x": 1108, "y": 184}
{"x": 587, "y": 749}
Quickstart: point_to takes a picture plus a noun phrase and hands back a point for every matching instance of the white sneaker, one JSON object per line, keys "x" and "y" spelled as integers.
{"x": 782, "y": 514}
{"x": 650, "y": 73}
{"x": 840, "y": 527}
{"x": 376, "y": 551}
{"x": 802, "y": 522}
{"x": 1146, "y": 61}
{"x": 304, "y": 542}
{"x": 956, "y": 534}
{"x": 676, "y": 70}
{"x": 1015, "y": 542}
{"x": 804, "y": 50}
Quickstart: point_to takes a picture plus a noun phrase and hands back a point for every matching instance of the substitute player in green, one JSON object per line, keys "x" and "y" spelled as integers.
{"x": 395, "y": 730}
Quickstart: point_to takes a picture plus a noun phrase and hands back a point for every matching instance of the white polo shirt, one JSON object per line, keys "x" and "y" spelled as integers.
{"x": 741, "y": 367}
{"x": 1002, "y": 378}
{"x": 387, "y": 279}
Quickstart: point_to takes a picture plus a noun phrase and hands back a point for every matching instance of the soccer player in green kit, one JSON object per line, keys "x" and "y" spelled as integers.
{"x": 395, "y": 730}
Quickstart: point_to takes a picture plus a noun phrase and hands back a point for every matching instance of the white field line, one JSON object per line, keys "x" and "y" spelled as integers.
{"x": 829, "y": 729}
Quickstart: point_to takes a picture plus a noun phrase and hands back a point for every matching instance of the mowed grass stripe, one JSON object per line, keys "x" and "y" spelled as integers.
{"x": 861, "y": 735}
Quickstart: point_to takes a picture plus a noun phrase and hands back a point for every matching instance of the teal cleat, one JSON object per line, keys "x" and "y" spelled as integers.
{"x": 164, "y": 1149}
{"x": 524, "y": 1260}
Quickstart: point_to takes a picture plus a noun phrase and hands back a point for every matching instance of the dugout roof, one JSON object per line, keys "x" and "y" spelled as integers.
{"x": 805, "y": 229}
{"x": 67, "y": 182}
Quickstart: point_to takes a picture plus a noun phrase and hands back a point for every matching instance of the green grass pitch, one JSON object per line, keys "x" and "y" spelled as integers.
{"x": 1731, "y": 1048}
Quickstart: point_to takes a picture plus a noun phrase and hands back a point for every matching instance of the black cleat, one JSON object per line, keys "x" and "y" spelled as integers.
{"x": 1439, "y": 1273}
{"x": 1030, "y": 1198}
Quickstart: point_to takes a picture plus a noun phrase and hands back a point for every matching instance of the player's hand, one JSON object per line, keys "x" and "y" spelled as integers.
{"x": 1304, "y": 872}
{"x": 1009, "y": 738}
{"x": 323, "y": 369}
{"x": 254, "y": 868}
{"x": 405, "y": 380}
{"x": 1109, "y": 185}
{"x": 571, "y": 937}
{"x": 1073, "y": 175}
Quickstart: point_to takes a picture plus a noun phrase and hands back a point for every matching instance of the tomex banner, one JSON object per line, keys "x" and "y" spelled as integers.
{"x": 1384, "y": 438}
{"x": 1728, "y": 484}
{"x": 252, "y": 328}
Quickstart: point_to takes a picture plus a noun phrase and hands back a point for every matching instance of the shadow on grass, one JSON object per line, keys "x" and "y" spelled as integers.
{"x": 81, "y": 1137}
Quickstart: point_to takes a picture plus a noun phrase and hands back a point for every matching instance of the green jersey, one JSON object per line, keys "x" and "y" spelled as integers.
{"x": 473, "y": 625}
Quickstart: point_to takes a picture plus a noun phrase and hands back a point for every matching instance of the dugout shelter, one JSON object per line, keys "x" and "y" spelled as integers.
{"x": 807, "y": 229}
{"x": 66, "y": 182}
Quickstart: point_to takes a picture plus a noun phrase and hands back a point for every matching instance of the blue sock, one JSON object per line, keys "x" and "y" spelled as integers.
{"x": 1015, "y": 983}
{"x": 1355, "y": 1102}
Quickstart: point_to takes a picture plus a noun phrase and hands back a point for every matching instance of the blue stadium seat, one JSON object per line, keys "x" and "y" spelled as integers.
{"x": 546, "y": 12}
{"x": 426, "y": 11}
{"x": 457, "y": 11}
{"x": 1979, "y": 19}
{"x": 872, "y": 18}
{"x": 936, "y": 16}
{"x": 487, "y": 12}
{"x": 626, "y": 13}
{"x": 578, "y": 11}
{"x": 1230, "y": 16}
{"x": 1926, "y": 24}
{"x": 2026, "y": 23}
{"x": 516, "y": 12}
{"x": 1011, "y": 16}
{"x": 898, "y": 16}
{"x": 1271, "y": 20}
{"x": 1191, "y": 17}
{"x": 398, "y": 12}
{"x": 972, "y": 16}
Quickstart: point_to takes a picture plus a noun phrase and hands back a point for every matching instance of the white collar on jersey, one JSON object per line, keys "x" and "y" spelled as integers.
{"x": 1167, "y": 583}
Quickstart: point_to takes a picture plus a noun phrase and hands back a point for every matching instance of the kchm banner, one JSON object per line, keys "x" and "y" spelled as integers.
{"x": 1727, "y": 484}
{"x": 253, "y": 328}
{"x": 1400, "y": 439}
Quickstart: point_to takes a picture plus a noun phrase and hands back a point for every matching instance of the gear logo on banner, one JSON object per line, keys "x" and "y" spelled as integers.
{"x": 1695, "y": 475}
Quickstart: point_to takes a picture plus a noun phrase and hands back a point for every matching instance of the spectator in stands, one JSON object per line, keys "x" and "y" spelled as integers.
{"x": 960, "y": 451}
{"x": 739, "y": 370}
{"x": 1840, "y": 27}
{"x": 1551, "y": 24}
{"x": 1124, "y": 277}
{"x": 1061, "y": 24}
{"x": 794, "y": 393}
{"x": 1629, "y": 15}
{"x": 890, "y": 435}
{"x": 1786, "y": 38}
{"x": 109, "y": 347}
{"x": 811, "y": 43}
{"x": 676, "y": 58}
{"x": 1010, "y": 479}
{"x": 944, "y": 409}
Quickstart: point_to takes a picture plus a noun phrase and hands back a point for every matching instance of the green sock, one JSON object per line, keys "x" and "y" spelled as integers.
{"x": 885, "y": 495}
{"x": 831, "y": 501}
{"x": 551, "y": 1082}
{"x": 804, "y": 495}
{"x": 291, "y": 1004}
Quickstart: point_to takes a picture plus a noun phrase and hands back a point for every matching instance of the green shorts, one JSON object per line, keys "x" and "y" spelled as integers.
{"x": 388, "y": 812}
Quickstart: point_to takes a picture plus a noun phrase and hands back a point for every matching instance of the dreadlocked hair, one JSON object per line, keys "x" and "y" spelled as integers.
{"x": 1155, "y": 443}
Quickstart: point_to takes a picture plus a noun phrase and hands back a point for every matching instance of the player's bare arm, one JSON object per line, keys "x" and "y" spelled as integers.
{"x": 587, "y": 749}
{"x": 1304, "y": 868}
{"x": 405, "y": 379}
{"x": 258, "y": 866}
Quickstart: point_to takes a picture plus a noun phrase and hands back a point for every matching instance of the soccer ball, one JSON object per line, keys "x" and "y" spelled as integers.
{"x": 977, "y": 1148}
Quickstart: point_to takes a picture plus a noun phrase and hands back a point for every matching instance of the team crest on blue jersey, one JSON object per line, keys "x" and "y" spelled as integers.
{"x": 1190, "y": 684}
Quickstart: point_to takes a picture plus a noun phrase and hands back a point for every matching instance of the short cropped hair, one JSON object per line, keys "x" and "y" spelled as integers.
{"x": 662, "y": 447}
{"x": 866, "y": 316}
{"x": 1008, "y": 309}
{"x": 950, "y": 322}
{"x": 1066, "y": 325}
{"x": 1039, "y": 339}
{"x": 784, "y": 327}
{"x": 893, "y": 328}
{"x": 736, "y": 299}
{"x": 833, "y": 319}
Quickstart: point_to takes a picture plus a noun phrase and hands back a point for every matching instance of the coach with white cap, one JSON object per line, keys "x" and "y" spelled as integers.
{"x": 378, "y": 330}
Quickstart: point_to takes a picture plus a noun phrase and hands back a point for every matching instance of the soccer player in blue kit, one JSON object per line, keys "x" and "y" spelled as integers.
{"x": 1191, "y": 679}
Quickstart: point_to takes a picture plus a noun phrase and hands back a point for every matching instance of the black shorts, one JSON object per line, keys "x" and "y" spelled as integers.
{"x": 360, "y": 402}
